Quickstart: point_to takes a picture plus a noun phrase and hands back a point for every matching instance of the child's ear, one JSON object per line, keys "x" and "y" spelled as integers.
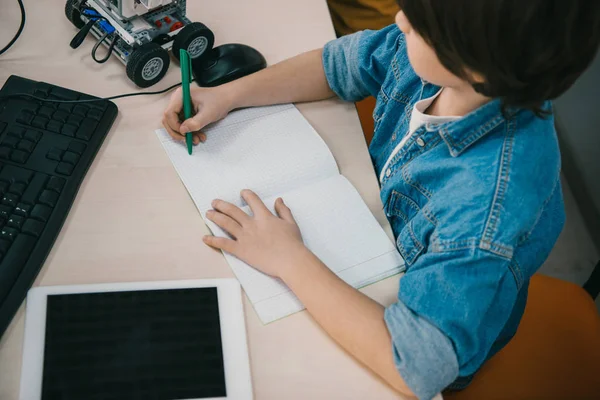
{"x": 475, "y": 77}
{"x": 402, "y": 22}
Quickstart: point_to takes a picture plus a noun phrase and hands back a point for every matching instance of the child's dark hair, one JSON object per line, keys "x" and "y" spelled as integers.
{"x": 528, "y": 51}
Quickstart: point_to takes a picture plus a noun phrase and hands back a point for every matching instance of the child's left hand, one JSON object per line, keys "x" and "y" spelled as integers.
{"x": 267, "y": 242}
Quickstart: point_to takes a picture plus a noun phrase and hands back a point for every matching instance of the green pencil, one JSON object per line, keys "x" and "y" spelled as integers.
{"x": 186, "y": 67}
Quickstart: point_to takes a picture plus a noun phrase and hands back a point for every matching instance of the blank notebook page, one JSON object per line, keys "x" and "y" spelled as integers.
{"x": 275, "y": 152}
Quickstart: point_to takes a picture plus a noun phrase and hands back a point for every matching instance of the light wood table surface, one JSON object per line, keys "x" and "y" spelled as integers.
{"x": 133, "y": 219}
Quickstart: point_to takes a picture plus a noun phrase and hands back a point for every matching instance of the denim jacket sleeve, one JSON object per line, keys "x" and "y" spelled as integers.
{"x": 451, "y": 307}
{"x": 356, "y": 65}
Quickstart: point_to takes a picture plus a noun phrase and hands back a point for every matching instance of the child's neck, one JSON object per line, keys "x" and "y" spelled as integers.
{"x": 456, "y": 101}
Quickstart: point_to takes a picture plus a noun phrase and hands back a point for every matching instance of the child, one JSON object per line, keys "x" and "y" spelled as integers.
{"x": 468, "y": 161}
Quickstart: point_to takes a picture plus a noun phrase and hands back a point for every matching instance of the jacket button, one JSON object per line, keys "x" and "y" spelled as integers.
{"x": 420, "y": 142}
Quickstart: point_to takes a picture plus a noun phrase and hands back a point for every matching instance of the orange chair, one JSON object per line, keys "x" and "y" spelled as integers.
{"x": 365, "y": 115}
{"x": 555, "y": 353}
{"x": 349, "y": 16}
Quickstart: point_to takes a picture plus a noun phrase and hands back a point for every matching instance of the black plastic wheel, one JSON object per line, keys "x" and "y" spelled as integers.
{"x": 148, "y": 64}
{"x": 196, "y": 38}
{"x": 73, "y": 14}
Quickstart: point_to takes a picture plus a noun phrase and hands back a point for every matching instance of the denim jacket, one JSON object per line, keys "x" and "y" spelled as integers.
{"x": 475, "y": 205}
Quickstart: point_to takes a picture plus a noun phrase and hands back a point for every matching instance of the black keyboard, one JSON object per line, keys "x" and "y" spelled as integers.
{"x": 46, "y": 149}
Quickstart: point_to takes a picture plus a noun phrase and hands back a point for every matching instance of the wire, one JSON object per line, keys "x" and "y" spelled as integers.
{"x": 119, "y": 96}
{"x": 14, "y": 39}
{"x": 110, "y": 48}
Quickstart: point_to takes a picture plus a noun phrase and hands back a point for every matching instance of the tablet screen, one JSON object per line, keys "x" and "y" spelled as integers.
{"x": 150, "y": 344}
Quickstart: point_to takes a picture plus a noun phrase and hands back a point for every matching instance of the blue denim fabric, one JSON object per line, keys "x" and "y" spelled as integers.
{"x": 475, "y": 205}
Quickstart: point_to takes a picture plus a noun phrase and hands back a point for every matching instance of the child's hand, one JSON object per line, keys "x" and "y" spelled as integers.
{"x": 210, "y": 105}
{"x": 265, "y": 241}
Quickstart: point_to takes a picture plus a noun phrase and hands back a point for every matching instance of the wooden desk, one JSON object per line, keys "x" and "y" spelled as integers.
{"x": 133, "y": 219}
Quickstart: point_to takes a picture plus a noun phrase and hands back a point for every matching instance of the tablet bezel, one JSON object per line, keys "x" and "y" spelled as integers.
{"x": 236, "y": 361}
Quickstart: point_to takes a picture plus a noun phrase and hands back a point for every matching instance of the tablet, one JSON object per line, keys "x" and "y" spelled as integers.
{"x": 149, "y": 340}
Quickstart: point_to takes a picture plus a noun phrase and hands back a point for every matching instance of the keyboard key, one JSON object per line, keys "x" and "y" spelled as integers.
{"x": 75, "y": 120}
{"x": 40, "y": 94}
{"x": 46, "y": 112}
{"x": 4, "y": 246}
{"x": 43, "y": 87}
{"x": 77, "y": 147}
{"x": 16, "y": 132}
{"x": 21, "y": 209}
{"x": 10, "y": 200}
{"x": 80, "y": 110}
{"x": 86, "y": 129}
{"x": 25, "y": 117}
{"x": 68, "y": 107}
{"x": 17, "y": 189}
{"x": 61, "y": 116}
{"x": 70, "y": 157}
{"x": 15, "y": 221}
{"x": 69, "y": 130}
{"x": 31, "y": 107}
{"x": 4, "y": 186}
{"x": 41, "y": 212}
{"x": 8, "y": 233}
{"x": 5, "y": 153}
{"x": 34, "y": 189}
{"x": 2, "y": 126}
{"x": 56, "y": 183}
{"x": 99, "y": 105}
{"x": 95, "y": 114}
{"x": 19, "y": 156}
{"x": 33, "y": 228}
{"x": 26, "y": 145}
{"x": 5, "y": 211}
{"x": 64, "y": 168}
{"x": 32, "y": 135}
{"x": 15, "y": 174}
{"x": 64, "y": 94}
{"x": 17, "y": 255}
{"x": 54, "y": 126}
{"x": 48, "y": 198}
{"x": 55, "y": 154}
{"x": 10, "y": 141}
{"x": 39, "y": 122}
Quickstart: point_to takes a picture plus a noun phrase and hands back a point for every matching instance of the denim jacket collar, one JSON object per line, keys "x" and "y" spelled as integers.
{"x": 462, "y": 133}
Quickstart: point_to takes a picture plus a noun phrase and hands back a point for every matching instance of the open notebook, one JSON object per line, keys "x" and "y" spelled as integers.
{"x": 275, "y": 152}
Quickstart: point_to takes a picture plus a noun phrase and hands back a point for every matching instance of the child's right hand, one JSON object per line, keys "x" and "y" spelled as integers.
{"x": 209, "y": 105}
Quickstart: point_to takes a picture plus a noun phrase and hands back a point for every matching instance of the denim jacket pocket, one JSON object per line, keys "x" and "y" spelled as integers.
{"x": 401, "y": 206}
{"x": 408, "y": 245}
{"x": 401, "y": 210}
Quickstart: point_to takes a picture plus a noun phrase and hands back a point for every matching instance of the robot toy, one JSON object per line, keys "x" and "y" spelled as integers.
{"x": 140, "y": 33}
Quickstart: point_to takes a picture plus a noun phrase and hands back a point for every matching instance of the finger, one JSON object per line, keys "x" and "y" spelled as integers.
{"x": 231, "y": 211}
{"x": 175, "y": 135}
{"x": 220, "y": 243}
{"x": 194, "y": 124}
{"x": 283, "y": 211}
{"x": 172, "y": 112}
{"x": 255, "y": 203}
{"x": 225, "y": 222}
{"x": 199, "y": 137}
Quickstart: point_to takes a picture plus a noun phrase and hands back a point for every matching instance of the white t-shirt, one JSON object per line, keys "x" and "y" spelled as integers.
{"x": 418, "y": 118}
